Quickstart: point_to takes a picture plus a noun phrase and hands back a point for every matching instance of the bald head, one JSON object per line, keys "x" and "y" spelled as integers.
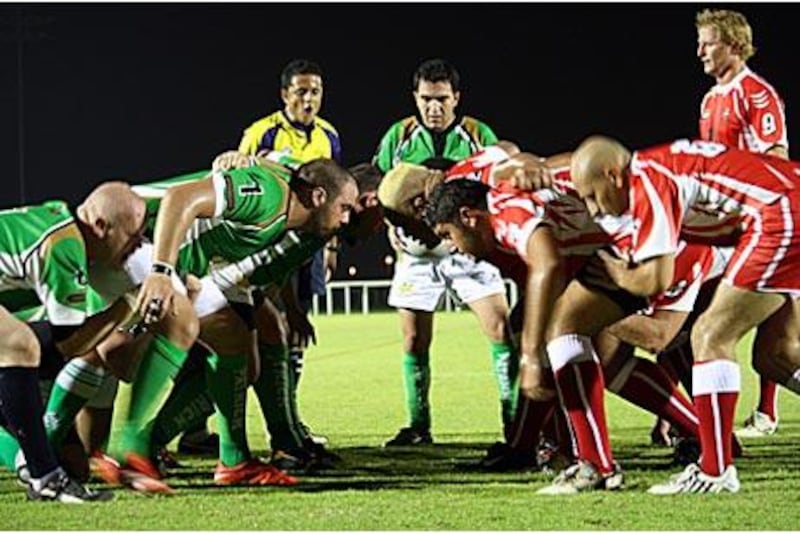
{"x": 112, "y": 219}
{"x": 115, "y": 203}
{"x": 407, "y": 184}
{"x": 599, "y": 172}
{"x": 597, "y": 157}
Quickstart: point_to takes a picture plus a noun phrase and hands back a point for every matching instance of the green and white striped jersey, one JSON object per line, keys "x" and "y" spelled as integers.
{"x": 42, "y": 251}
{"x": 251, "y": 214}
{"x": 409, "y": 141}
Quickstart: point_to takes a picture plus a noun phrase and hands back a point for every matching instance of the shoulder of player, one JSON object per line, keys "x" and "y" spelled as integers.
{"x": 268, "y": 182}
{"x": 709, "y": 94}
{"x": 63, "y": 239}
{"x": 756, "y": 87}
{"x": 477, "y": 129}
{"x": 269, "y": 172}
{"x": 261, "y": 125}
{"x": 326, "y": 126}
{"x": 402, "y": 129}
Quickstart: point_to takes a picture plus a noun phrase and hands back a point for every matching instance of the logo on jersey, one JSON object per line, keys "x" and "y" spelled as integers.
{"x": 768, "y": 124}
{"x": 676, "y": 290}
{"x": 81, "y": 278}
{"x": 253, "y": 188}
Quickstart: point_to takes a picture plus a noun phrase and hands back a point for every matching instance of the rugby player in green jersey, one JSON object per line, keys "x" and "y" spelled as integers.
{"x": 253, "y": 207}
{"x": 292, "y": 447}
{"x": 47, "y": 250}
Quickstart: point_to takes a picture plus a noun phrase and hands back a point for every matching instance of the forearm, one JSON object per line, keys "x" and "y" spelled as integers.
{"x": 545, "y": 284}
{"x": 178, "y": 210}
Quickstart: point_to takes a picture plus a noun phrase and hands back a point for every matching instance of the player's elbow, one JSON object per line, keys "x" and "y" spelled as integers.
{"x": 546, "y": 272}
{"x": 508, "y": 147}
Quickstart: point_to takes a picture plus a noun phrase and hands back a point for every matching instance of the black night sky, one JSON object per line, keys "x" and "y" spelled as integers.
{"x": 143, "y": 91}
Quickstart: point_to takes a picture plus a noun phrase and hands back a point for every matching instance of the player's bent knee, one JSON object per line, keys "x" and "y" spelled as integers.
{"x": 709, "y": 344}
{"x": 20, "y": 348}
{"x": 495, "y": 328}
{"x": 183, "y": 327}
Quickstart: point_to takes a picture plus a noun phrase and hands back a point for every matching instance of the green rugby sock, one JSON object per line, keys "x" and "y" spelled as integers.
{"x": 273, "y": 390}
{"x": 76, "y": 384}
{"x": 226, "y": 379}
{"x": 506, "y": 368}
{"x": 8, "y": 449}
{"x": 149, "y": 389}
{"x": 417, "y": 381}
{"x": 188, "y": 405}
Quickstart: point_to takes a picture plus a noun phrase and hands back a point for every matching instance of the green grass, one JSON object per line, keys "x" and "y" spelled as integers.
{"x": 352, "y": 392}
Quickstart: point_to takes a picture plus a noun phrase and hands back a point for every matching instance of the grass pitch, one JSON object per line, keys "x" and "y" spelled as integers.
{"x": 352, "y": 392}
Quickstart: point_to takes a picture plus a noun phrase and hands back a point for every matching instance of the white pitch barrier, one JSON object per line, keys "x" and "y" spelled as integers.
{"x": 450, "y": 303}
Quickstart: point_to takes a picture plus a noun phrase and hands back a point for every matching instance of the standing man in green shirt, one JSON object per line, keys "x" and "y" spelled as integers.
{"x": 425, "y": 266}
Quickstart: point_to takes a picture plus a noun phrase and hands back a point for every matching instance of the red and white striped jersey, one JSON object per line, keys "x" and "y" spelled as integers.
{"x": 745, "y": 113}
{"x": 517, "y": 213}
{"x": 478, "y": 166}
{"x": 676, "y": 189}
{"x": 694, "y": 265}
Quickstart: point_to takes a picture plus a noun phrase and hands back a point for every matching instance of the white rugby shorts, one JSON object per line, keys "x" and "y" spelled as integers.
{"x": 420, "y": 282}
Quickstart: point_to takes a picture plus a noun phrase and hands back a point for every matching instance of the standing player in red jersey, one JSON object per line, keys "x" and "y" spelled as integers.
{"x": 672, "y": 191}
{"x": 741, "y": 111}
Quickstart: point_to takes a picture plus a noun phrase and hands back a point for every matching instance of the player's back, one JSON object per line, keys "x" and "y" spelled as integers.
{"x": 706, "y": 190}
{"x": 27, "y": 235}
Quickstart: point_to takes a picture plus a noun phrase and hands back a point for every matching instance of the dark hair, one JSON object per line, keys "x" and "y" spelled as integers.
{"x": 367, "y": 176}
{"x": 298, "y": 67}
{"x": 325, "y": 173}
{"x": 434, "y": 70}
{"x": 439, "y": 163}
{"x": 447, "y": 198}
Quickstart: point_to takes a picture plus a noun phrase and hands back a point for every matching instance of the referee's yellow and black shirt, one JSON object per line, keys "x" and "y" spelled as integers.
{"x": 305, "y": 143}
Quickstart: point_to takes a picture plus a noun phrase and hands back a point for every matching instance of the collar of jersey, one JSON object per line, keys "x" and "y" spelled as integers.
{"x": 298, "y": 125}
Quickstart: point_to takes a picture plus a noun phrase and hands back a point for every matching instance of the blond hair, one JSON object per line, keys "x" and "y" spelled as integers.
{"x": 732, "y": 27}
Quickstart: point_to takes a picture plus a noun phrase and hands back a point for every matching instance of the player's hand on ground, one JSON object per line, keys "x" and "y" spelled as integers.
{"x": 524, "y": 171}
{"x": 230, "y": 160}
{"x": 155, "y": 297}
{"x": 300, "y": 328}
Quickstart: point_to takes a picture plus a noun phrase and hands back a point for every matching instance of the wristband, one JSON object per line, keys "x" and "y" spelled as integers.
{"x": 332, "y": 248}
{"x": 162, "y": 268}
